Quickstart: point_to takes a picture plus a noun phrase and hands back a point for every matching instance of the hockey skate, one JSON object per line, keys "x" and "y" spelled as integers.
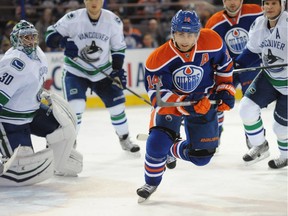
{"x": 145, "y": 192}
{"x": 170, "y": 162}
{"x": 127, "y": 145}
{"x": 278, "y": 163}
{"x": 248, "y": 144}
{"x": 256, "y": 153}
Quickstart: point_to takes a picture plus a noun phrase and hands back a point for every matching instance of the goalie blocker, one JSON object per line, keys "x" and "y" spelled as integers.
{"x": 59, "y": 157}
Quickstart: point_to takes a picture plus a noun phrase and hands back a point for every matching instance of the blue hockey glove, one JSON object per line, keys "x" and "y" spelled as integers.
{"x": 120, "y": 77}
{"x": 200, "y": 105}
{"x": 225, "y": 93}
{"x": 71, "y": 50}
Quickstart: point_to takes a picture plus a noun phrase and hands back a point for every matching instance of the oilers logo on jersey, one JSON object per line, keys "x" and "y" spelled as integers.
{"x": 236, "y": 39}
{"x": 187, "y": 78}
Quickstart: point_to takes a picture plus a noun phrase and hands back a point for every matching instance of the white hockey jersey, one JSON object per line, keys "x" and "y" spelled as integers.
{"x": 272, "y": 44}
{"x": 95, "y": 40}
{"x": 21, "y": 79}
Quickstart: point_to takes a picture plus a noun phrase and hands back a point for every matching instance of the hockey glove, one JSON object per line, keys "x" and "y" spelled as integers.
{"x": 200, "y": 105}
{"x": 225, "y": 94}
{"x": 71, "y": 50}
{"x": 120, "y": 78}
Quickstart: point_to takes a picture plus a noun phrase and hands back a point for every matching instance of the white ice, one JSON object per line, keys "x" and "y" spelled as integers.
{"x": 107, "y": 186}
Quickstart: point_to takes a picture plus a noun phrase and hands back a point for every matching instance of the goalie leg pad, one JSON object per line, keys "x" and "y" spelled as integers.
{"x": 67, "y": 160}
{"x": 29, "y": 168}
{"x": 61, "y": 141}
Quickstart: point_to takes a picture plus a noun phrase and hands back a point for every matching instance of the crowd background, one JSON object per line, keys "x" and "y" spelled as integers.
{"x": 146, "y": 22}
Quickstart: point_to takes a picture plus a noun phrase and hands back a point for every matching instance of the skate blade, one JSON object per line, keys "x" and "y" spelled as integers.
{"x": 142, "y": 200}
{"x": 256, "y": 160}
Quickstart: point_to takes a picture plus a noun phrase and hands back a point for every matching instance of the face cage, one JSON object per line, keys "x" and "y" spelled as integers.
{"x": 28, "y": 45}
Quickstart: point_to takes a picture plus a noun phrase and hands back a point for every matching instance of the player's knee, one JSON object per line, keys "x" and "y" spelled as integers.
{"x": 248, "y": 110}
{"x": 159, "y": 142}
{"x": 200, "y": 161}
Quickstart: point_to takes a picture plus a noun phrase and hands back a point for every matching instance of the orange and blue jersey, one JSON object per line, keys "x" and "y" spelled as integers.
{"x": 207, "y": 64}
{"x": 234, "y": 30}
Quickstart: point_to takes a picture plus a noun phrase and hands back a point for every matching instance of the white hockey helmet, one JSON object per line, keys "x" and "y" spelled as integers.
{"x": 24, "y": 37}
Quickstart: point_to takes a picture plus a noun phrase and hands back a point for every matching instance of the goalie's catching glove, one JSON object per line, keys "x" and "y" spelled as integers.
{"x": 120, "y": 78}
{"x": 200, "y": 105}
{"x": 71, "y": 50}
{"x": 225, "y": 94}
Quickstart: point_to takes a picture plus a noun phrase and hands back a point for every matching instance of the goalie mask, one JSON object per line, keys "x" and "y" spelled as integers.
{"x": 24, "y": 37}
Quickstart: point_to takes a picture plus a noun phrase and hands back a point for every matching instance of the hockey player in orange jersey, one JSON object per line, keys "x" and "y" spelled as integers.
{"x": 187, "y": 68}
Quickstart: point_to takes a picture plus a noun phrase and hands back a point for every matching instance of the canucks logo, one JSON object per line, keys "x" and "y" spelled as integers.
{"x": 236, "y": 39}
{"x": 17, "y": 64}
{"x": 271, "y": 59}
{"x": 187, "y": 78}
{"x": 91, "y": 53}
{"x": 71, "y": 15}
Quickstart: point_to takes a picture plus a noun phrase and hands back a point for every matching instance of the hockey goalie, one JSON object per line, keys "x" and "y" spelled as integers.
{"x": 20, "y": 165}
{"x": 23, "y": 70}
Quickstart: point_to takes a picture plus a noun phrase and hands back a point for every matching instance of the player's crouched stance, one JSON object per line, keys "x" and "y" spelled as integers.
{"x": 23, "y": 69}
{"x": 56, "y": 123}
{"x": 183, "y": 70}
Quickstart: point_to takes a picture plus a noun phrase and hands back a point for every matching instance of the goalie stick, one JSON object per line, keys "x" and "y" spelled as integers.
{"x": 5, "y": 166}
{"x": 241, "y": 70}
{"x": 162, "y": 103}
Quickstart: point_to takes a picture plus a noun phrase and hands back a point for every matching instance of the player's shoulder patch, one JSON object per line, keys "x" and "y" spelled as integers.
{"x": 118, "y": 20}
{"x": 252, "y": 25}
{"x": 71, "y": 15}
{"x": 18, "y": 64}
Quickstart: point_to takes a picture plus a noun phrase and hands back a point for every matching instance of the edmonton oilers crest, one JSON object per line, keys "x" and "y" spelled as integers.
{"x": 236, "y": 39}
{"x": 187, "y": 78}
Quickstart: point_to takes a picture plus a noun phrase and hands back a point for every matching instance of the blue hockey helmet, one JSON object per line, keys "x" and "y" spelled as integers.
{"x": 185, "y": 21}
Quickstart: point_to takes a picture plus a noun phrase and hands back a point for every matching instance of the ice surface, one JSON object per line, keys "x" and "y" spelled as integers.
{"x": 107, "y": 186}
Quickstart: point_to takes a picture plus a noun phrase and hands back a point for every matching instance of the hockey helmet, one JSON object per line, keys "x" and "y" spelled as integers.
{"x": 185, "y": 21}
{"x": 24, "y": 37}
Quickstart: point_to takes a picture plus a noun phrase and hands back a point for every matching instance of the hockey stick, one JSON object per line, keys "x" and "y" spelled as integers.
{"x": 5, "y": 166}
{"x": 162, "y": 103}
{"x": 241, "y": 70}
{"x": 115, "y": 81}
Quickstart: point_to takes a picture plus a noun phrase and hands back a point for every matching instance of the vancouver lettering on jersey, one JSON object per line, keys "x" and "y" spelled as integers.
{"x": 273, "y": 43}
{"x": 95, "y": 35}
